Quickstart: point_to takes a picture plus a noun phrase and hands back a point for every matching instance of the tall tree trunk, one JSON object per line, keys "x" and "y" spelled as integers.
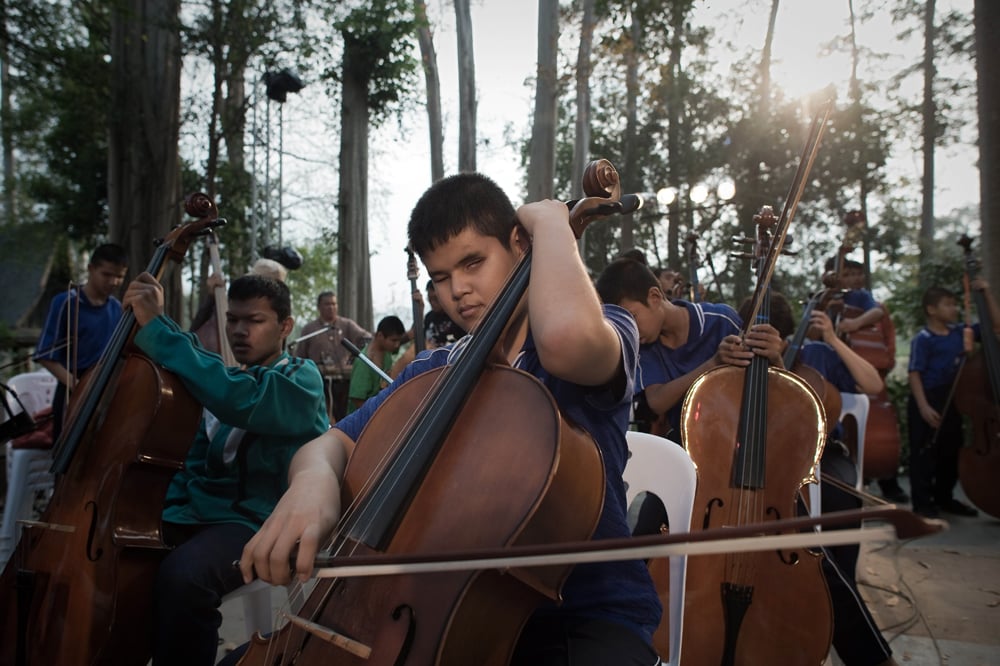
{"x": 542, "y": 165}
{"x": 675, "y": 168}
{"x": 428, "y": 58}
{"x": 581, "y": 137}
{"x": 929, "y": 132}
{"x": 354, "y": 288}
{"x": 9, "y": 188}
{"x": 629, "y": 159}
{"x": 143, "y": 173}
{"x": 854, "y": 93}
{"x": 466, "y": 88}
{"x": 987, "y": 18}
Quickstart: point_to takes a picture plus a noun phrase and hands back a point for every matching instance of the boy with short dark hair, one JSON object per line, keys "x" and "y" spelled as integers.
{"x": 465, "y": 230}
{"x": 90, "y": 313}
{"x": 679, "y": 340}
{"x": 935, "y": 427}
{"x": 365, "y": 382}
{"x": 255, "y": 417}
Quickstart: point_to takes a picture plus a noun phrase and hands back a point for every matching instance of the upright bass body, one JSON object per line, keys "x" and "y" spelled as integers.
{"x": 771, "y": 607}
{"x": 497, "y": 481}
{"x": 78, "y": 588}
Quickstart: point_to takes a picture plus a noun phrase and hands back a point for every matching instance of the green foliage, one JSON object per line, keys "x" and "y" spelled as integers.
{"x": 60, "y": 86}
{"x": 316, "y": 274}
{"x": 381, "y": 38}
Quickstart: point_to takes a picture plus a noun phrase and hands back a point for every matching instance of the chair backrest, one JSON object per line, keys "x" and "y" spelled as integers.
{"x": 659, "y": 466}
{"x": 34, "y": 389}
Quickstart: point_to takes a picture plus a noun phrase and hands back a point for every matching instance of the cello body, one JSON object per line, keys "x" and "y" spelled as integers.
{"x": 977, "y": 396}
{"x": 877, "y": 345}
{"x": 78, "y": 587}
{"x": 979, "y": 463}
{"x": 496, "y": 481}
{"x": 787, "y": 612}
{"x": 83, "y": 596}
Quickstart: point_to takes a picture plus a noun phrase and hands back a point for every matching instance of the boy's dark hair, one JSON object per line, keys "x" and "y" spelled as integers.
{"x": 635, "y": 254}
{"x": 626, "y": 278}
{"x": 390, "y": 325}
{"x": 430, "y": 285}
{"x": 322, "y": 295}
{"x": 781, "y": 314}
{"x": 456, "y": 203}
{"x": 248, "y": 287}
{"x": 857, "y": 265}
{"x": 111, "y": 253}
{"x": 935, "y": 295}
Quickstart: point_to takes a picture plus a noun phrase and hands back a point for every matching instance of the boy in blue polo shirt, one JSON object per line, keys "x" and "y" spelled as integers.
{"x": 935, "y": 428}
{"x": 464, "y": 230}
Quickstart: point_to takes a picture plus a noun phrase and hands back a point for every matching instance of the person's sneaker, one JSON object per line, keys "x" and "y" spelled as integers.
{"x": 929, "y": 511}
{"x": 953, "y": 506}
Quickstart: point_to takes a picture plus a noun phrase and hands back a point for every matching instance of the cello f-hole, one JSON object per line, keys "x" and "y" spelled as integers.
{"x": 791, "y": 558}
{"x": 411, "y": 631}
{"x": 93, "y": 552}
{"x": 715, "y": 501}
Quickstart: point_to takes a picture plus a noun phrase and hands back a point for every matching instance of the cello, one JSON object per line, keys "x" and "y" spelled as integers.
{"x": 417, "y": 481}
{"x": 78, "y": 587}
{"x": 756, "y": 436}
{"x": 977, "y": 396}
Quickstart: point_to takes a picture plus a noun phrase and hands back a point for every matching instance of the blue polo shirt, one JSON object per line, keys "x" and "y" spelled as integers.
{"x": 937, "y": 357}
{"x": 659, "y": 364}
{"x": 94, "y": 325}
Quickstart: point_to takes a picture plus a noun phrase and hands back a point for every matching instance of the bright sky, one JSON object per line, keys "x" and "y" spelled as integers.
{"x": 505, "y": 53}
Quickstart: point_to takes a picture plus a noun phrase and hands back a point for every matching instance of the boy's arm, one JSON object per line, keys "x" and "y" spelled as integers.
{"x": 731, "y": 351}
{"x": 573, "y": 339}
{"x": 927, "y": 412}
{"x": 59, "y": 371}
{"x": 866, "y": 377}
{"x": 304, "y": 516}
{"x": 663, "y": 397}
{"x": 865, "y": 319}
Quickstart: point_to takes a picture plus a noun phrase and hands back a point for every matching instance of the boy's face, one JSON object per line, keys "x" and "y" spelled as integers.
{"x": 391, "y": 343}
{"x": 106, "y": 277}
{"x": 854, "y": 278}
{"x": 254, "y": 332}
{"x": 647, "y": 317}
{"x": 945, "y": 310}
{"x": 468, "y": 270}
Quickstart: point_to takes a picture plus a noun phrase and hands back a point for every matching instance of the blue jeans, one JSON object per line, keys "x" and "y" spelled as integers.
{"x": 190, "y": 585}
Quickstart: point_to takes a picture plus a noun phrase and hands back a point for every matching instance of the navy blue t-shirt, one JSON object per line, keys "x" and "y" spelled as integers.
{"x": 94, "y": 324}
{"x": 620, "y": 592}
{"x": 658, "y": 364}
{"x": 937, "y": 357}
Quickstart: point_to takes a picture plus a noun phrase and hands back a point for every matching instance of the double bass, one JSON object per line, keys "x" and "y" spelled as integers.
{"x": 977, "y": 396}
{"x": 756, "y": 435}
{"x": 416, "y": 482}
{"x": 78, "y": 587}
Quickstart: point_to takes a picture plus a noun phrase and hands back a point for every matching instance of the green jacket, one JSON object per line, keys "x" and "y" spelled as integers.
{"x": 254, "y": 422}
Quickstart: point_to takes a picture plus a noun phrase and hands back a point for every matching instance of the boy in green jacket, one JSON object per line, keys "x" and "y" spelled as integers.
{"x": 256, "y": 417}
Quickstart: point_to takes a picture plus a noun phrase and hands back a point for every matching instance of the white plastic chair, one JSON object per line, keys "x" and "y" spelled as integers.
{"x": 27, "y": 469}
{"x": 857, "y": 405}
{"x": 854, "y": 405}
{"x": 659, "y": 466}
{"x": 258, "y": 615}
{"x": 256, "y": 606}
